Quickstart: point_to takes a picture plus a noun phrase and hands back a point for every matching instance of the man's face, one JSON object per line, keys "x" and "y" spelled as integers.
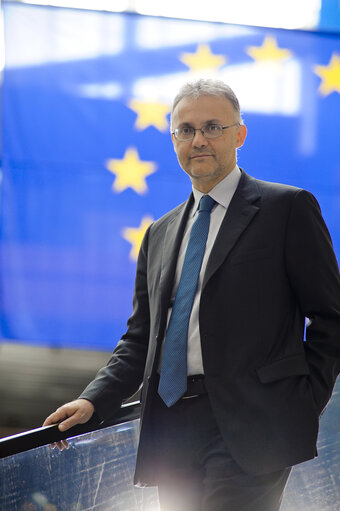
{"x": 207, "y": 160}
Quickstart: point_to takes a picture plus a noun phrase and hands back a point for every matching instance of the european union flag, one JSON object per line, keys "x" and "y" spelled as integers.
{"x": 88, "y": 162}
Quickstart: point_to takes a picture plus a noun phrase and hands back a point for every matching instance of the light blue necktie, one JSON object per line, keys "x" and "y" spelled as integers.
{"x": 173, "y": 377}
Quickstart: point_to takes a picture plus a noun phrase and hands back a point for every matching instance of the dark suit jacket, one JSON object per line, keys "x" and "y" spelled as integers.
{"x": 271, "y": 266}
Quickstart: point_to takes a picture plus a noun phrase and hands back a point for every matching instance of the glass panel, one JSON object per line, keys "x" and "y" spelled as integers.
{"x": 95, "y": 474}
{"x": 315, "y": 485}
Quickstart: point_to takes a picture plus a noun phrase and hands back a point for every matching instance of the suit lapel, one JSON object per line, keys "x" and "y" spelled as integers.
{"x": 172, "y": 242}
{"x": 238, "y": 216}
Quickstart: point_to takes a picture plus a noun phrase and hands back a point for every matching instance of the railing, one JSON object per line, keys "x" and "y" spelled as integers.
{"x": 46, "y": 435}
{"x": 96, "y": 472}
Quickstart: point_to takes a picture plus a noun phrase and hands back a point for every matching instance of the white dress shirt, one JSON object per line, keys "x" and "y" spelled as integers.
{"x": 222, "y": 193}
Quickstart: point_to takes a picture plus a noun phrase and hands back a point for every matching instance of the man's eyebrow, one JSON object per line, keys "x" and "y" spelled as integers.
{"x": 213, "y": 121}
{"x": 184, "y": 124}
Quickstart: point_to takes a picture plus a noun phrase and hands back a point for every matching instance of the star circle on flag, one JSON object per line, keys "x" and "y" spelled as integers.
{"x": 150, "y": 113}
{"x": 330, "y": 76}
{"x": 268, "y": 51}
{"x": 130, "y": 171}
{"x": 203, "y": 58}
{"x": 135, "y": 235}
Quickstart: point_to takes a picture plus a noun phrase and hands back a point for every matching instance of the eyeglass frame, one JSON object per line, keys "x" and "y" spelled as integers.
{"x": 202, "y": 131}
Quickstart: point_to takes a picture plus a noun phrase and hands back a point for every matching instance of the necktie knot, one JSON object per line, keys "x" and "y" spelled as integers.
{"x": 206, "y": 203}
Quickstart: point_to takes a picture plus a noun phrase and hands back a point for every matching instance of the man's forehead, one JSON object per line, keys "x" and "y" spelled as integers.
{"x": 205, "y": 108}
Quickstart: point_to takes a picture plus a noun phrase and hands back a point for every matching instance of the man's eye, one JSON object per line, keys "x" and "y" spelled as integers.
{"x": 185, "y": 131}
{"x": 212, "y": 128}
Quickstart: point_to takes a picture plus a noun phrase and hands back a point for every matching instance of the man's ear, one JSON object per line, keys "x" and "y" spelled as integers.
{"x": 241, "y": 135}
{"x": 173, "y": 142}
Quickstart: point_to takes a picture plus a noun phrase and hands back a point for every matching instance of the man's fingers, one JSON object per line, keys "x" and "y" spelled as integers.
{"x": 68, "y": 423}
{"x": 62, "y": 444}
{"x": 68, "y": 415}
{"x": 65, "y": 444}
{"x": 55, "y": 417}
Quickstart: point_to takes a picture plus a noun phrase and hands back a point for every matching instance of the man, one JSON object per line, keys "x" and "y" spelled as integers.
{"x": 234, "y": 276}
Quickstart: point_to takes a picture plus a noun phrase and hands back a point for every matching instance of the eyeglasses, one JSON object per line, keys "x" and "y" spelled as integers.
{"x": 187, "y": 133}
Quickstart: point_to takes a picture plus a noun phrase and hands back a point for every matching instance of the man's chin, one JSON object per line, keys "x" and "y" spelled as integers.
{"x": 203, "y": 176}
{"x": 198, "y": 172}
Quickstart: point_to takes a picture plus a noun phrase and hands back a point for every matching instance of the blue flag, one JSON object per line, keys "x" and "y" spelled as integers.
{"x": 88, "y": 161}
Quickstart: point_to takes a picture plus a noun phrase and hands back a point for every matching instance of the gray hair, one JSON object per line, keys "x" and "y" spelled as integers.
{"x": 208, "y": 87}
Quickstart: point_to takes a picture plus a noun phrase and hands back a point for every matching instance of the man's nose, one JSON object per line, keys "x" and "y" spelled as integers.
{"x": 199, "y": 139}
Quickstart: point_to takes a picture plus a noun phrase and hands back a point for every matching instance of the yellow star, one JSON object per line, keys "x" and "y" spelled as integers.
{"x": 330, "y": 76}
{"x": 130, "y": 171}
{"x": 268, "y": 51}
{"x": 202, "y": 59}
{"x": 135, "y": 235}
{"x": 150, "y": 114}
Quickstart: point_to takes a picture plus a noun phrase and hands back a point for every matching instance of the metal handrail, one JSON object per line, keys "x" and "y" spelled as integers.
{"x": 27, "y": 440}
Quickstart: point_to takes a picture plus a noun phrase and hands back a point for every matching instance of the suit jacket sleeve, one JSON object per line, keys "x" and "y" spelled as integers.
{"x": 314, "y": 275}
{"x": 123, "y": 374}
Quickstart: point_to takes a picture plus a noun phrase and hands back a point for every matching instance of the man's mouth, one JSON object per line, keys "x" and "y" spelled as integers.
{"x": 200, "y": 155}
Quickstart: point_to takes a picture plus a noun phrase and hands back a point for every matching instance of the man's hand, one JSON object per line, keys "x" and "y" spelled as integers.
{"x": 68, "y": 415}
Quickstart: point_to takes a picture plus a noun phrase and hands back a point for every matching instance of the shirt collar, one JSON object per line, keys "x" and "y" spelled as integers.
{"x": 222, "y": 193}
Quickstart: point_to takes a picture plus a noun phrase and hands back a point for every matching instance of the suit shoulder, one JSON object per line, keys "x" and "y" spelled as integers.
{"x": 277, "y": 189}
{"x": 286, "y": 192}
{"x": 167, "y": 217}
{"x": 280, "y": 195}
{"x": 290, "y": 198}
